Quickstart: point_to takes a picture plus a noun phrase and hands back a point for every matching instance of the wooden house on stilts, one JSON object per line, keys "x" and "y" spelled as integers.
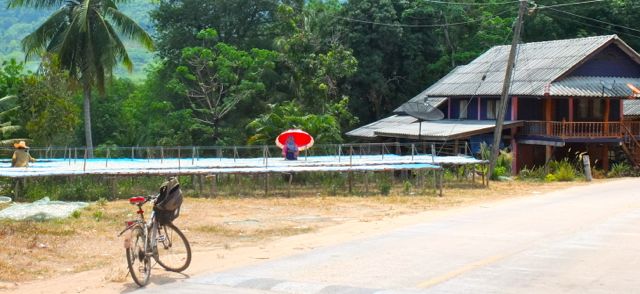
{"x": 566, "y": 97}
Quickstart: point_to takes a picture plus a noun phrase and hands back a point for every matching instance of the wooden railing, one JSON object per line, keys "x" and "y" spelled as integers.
{"x": 578, "y": 129}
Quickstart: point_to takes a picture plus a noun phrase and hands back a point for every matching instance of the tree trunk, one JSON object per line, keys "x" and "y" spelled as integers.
{"x": 86, "y": 89}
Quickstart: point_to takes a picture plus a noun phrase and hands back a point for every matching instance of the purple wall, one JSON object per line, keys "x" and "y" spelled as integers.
{"x": 610, "y": 62}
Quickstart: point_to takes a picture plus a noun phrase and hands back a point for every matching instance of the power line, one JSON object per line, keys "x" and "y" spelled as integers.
{"x": 470, "y": 3}
{"x": 569, "y": 4}
{"x": 417, "y": 25}
{"x": 596, "y": 20}
{"x": 559, "y": 18}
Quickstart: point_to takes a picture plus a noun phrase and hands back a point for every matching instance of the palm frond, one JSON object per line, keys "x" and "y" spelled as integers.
{"x": 33, "y": 43}
{"x": 38, "y": 4}
{"x": 120, "y": 49}
{"x": 82, "y": 12}
{"x": 129, "y": 27}
{"x": 9, "y": 129}
{"x": 8, "y": 98}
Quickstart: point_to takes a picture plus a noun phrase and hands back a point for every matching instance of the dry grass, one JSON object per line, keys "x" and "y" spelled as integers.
{"x": 38, "y": 250}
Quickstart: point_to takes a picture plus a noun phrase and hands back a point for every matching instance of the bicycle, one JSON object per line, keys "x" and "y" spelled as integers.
{"x": 141, "y": 245}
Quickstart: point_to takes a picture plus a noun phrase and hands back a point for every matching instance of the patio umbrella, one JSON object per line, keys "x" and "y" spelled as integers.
{"x": 303, "y": 139}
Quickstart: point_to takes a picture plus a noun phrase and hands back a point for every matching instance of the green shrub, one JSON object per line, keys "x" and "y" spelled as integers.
{"x": 550, "y": 178}
{"x": 564, "y": 171}
{"x": 535, "y": 173}
{"x": 98, "y": 215}
{"x": 620, "y": 170}
{"x": 499, "y": 171}
{"x": 406, "y": 187}
{"x": 384, "y": 186}
{"x": 76, "y": 214}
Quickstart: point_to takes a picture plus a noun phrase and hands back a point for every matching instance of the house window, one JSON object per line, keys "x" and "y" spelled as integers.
{"x": 492, "y": 109}
{"x": 464, "y": 105}
{"x": 589, "y": 109}
{"x": 597, "y": 109}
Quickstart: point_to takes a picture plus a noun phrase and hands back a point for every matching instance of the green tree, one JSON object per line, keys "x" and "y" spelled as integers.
{"x": 324, "y": 128}
{"x": 217, "y": 76}
{"x": 244, "y": 24}
{"x": 50, "y": 115}
{"x": 313, "y": 61}
{"x": 392, "y": 49}
{"x": 85, "y": 34}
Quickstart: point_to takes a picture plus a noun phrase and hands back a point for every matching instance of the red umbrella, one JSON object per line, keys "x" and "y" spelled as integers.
{"x": 303, "y": 139}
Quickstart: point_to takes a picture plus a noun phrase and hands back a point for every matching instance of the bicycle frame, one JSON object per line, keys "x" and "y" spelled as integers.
{"x": 150, "y": 228}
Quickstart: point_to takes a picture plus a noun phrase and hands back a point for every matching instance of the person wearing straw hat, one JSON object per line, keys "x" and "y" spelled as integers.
{"x": 21, "y": 156}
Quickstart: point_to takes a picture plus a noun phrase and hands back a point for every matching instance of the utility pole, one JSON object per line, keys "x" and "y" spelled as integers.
{"x": 506, "y": 86}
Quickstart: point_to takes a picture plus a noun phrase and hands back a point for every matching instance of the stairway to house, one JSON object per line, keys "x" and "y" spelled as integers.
{"x": 631, "y": 146}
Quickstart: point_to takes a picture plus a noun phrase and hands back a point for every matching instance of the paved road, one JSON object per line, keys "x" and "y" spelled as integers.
{"x": 581, "y": 240}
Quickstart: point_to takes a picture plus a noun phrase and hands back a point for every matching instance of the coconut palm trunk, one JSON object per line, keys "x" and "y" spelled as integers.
{"x": 86, "y": 106}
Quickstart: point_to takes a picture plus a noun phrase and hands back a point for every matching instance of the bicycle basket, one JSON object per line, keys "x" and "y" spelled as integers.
{"x": 166, "y": 217}
{"x": 168, "y": 204}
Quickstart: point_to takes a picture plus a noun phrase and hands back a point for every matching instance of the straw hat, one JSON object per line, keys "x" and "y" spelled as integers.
{"x": 20, "y": 144}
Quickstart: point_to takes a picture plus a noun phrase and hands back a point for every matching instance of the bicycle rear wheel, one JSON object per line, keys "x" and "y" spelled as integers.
{"x": 138, "y": 261}
{"x": 174, "y": 251}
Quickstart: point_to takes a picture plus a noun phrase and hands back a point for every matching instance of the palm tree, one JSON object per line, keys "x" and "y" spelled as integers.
{"x": 85, "y": 34}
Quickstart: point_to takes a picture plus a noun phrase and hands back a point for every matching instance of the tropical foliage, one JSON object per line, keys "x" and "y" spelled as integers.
{"x": 232, "y": 72}
{"x": 85, "y": 35}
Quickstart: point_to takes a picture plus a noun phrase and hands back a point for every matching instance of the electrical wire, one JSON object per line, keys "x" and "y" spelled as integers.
{"x": 569, "y": 4}
{"x": 417, "y": 25}
{"x": 594, "y": 19}
{"x": 470, "y": 3}
{"x": 559, "y": 18}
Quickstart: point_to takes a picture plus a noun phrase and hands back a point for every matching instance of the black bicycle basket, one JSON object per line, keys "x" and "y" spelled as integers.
{"x": 167, "y": 206}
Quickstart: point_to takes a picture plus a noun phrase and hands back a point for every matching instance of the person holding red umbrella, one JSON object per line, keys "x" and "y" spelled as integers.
{"x": 293, "y": 141}
{"x": 290, "y": 150}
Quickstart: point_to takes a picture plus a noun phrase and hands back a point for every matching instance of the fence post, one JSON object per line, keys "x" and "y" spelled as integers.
{"x": 193, "y": 158}
{"x": 433, "y": 153}
{"x": 179, "y": 157}
{"x": 106, "y": 161}
{"x": 161, "y": 154}
{"x": 413, "y": 149}
{"x": 235, "y": 153}
{"x": 339, "y": 152}
{"x": 133, "y": 156}
{"x": 84, "y": 166}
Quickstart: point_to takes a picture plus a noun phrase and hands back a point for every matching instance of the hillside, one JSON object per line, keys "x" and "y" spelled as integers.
{"x": 17, "y": 23}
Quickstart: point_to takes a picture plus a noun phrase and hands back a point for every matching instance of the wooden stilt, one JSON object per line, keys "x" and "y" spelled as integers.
{"x": 113, "y": 185}
{"x": 366, "y": 182}
{"x": 290, "y": 180}
{"x": 213, "y": 185}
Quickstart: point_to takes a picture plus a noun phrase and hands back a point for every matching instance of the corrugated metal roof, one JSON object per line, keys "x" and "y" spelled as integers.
{"x": 632, "y": 107}
{"x": 441, "y": 129}
{"x": 393, "y": 121}
{"x": 593, "y": 86}
{"x": 435, "y": 101}
{"x": 537, "y": 64}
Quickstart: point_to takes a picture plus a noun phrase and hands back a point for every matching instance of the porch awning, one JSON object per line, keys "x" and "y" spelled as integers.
{"x": 442, "y": 130}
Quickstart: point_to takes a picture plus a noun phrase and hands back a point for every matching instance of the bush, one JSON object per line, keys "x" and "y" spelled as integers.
{"x": 406, "y": 187}
{"x": 563, "y": 170}
{"x": 550, "y": 178}
{"x": 384, "y": 186}
{"x": 620, "y": 170}
{"x": 535, "y": 173}
{"x": 499, "y": 171}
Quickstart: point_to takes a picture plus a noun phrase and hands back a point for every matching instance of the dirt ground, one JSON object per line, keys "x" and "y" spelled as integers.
{"x": 83, "y": 254}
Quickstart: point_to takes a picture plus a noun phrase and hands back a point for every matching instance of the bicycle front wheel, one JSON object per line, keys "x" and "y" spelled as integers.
{"x": 174, "y": 251}
{"x": 138, "y": 260}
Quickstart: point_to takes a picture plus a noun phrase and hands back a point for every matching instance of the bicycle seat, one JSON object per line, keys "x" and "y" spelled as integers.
{"x": 136, "y": 200}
